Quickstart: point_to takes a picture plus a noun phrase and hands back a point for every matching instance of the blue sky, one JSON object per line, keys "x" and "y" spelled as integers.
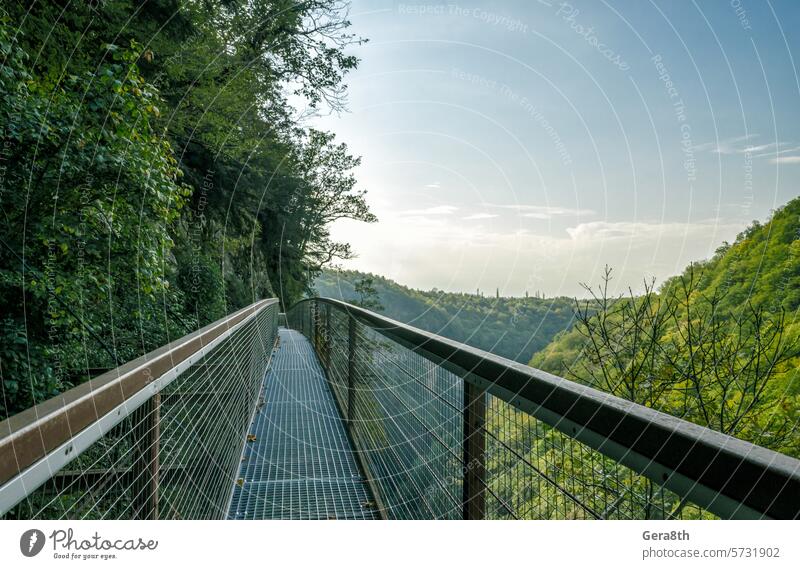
{"x": 524, "y": 145}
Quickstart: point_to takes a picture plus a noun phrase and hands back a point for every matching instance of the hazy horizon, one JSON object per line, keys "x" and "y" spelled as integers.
{"x": 528, "y": 144}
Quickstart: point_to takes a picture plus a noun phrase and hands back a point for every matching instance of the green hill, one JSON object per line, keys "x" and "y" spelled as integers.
{"x": 514, "y": 328}
{"x": 717, "y": 344}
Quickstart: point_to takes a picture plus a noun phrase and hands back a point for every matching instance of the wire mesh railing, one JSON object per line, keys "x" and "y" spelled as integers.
{"x": 443, "y": 430}
{"x": 158, "y": 438}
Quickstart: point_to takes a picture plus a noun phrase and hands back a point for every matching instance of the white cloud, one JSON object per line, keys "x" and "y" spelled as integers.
{"x": 480, "y": 216}
{"x": 435, "y": 210}
{"x": 759, "y": 148}
{"x": 726, "y": 146}
{"x": 786, "y": 160}
{"x": 605, "y": 230}
{"x": 738, "y": 145}
{"x": 643, "y": 233}
{"x": 434, "y": 185}
{"x": 542, "y": 211}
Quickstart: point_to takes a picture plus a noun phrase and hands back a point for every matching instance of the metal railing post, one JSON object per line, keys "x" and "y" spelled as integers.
{"x": 474, "y": 507}
{"x": 315, "y": 326}
{"x": 146, "y": 438}
{"x": 327, "y": 337}
{"x": 351, "y": 366}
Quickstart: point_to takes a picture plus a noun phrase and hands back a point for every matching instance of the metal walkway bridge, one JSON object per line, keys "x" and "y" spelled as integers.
{"x": 299, "y": 463}
{"x": 344, "y": 414}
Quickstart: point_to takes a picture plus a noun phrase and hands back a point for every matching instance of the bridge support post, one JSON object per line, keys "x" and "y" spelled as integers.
{"x": 351, "y": 366}
{"x": 146, "y": 438}
{"x": 474, "y": 497}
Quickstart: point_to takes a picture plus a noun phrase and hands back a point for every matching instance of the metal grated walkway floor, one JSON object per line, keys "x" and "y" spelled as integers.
{"x": 301, "y": 463}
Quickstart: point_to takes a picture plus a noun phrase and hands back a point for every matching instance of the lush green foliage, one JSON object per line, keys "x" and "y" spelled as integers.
{"x": 717, "y": 345}
{"x": 514, "y": 328}
{"x": 155, "y": 176}
{"x": 89, "y": 191}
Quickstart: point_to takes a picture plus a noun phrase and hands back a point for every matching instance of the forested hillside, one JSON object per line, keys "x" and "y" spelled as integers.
{"x": 717, "y": 345}
{"x": 514, "y": 328}
{"x": 154, "y": 177}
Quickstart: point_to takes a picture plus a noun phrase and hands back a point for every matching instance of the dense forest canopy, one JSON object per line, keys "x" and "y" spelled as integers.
{"x": 155, "y": 177}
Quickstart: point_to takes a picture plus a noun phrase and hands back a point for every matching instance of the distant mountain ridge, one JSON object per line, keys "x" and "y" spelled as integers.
{"x": 514, "y": 328}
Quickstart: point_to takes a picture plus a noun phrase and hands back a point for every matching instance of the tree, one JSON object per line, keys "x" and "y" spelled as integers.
{"x": 89, "y": 193}
{"x": 367, "y": 294}
{"x": 725, "y": 362}
{"x": 681, "y": 352}
{"x": 621, "y": 353}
